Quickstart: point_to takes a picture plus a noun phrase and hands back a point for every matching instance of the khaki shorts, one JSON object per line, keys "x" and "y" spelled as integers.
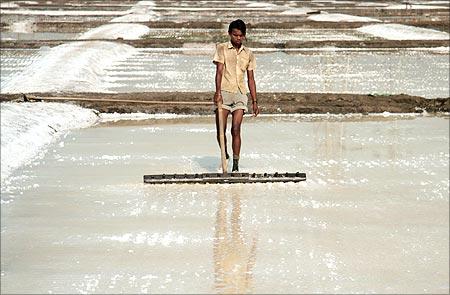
{"x": 234, "y": 101}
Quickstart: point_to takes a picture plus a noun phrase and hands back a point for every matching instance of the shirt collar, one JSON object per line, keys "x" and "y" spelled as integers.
{"x": 230, "y": 46}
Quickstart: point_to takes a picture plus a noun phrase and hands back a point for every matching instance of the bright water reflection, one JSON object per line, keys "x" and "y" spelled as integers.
{"x": 375, "y": 204}
{"x": 414, "y": 72}
{"x": 234, "y": 252}
{"x": 394, "y": 72}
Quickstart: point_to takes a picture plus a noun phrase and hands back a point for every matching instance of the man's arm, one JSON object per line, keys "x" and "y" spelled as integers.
{"x": 219, "y": 74}
{"x": 252, "y": 88}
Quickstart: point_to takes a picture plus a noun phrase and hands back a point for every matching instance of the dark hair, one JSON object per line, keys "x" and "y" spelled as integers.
{"x": 237, "y": 24}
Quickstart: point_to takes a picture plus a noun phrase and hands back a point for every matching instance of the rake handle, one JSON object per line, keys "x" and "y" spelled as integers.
{"x": 223, "y": 156}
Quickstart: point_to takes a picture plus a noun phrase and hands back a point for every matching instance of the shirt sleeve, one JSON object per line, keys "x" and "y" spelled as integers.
{"x": 219, "y": 55}
{"x": 252, "y": 63}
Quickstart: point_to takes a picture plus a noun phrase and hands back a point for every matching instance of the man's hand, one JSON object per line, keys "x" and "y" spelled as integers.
{"x": 255, "y": 109}
{"x": 217, "y": 98}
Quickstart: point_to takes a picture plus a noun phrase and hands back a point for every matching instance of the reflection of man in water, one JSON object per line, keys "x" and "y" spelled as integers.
{"x": 233, "y": 259}
{"x": 232, "y": 60}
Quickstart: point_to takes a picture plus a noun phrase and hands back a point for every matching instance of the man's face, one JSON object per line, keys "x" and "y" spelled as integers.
{"x": 236, "y": 37}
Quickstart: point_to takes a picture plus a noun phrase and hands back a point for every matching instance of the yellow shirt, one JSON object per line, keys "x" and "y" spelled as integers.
{"x": 236, "y": 63}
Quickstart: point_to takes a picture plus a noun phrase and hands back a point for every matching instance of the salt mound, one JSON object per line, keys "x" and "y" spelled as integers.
{"x": 297, "y": 11}
{"x": 371, "y": 4}
{"x": 8, "y": 5}
{"x": 261, "y": 4}
{"x": 140, "y": 12}
{"x": 28, "y": 127}
{"x": 114, "y": 31}
{"x": 76, "y": 66}
{"x": 403, "y": 32}
{"x": 338, "y": 17}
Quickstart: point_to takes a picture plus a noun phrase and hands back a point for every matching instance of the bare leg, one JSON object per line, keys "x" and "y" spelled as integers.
{"x": 225, "y": 117}
{"x": 238, "y": 115}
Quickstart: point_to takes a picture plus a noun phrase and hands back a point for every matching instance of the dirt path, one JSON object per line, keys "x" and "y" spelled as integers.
{"x": 270, "y": 103}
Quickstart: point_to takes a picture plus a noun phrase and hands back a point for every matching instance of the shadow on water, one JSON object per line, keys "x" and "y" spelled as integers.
{"x": 211, "y": 164}
{"x": 234, "y": 253}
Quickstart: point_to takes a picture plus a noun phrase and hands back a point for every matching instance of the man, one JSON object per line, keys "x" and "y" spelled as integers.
{"x": 232, "y": 60}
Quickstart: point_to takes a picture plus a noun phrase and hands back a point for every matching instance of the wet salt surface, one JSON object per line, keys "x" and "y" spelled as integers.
{"x": 206, "y": 10}
{"x": 268, "y": 36}
{"x": 38, "y": 36}
{"x": 272, "y": 36}
{"x": 63, "y": 12}
{"x": 372, "y": 216}
{"x": 410, "y": 72}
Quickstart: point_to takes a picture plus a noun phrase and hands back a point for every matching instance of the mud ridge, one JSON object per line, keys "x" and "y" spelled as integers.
{"x": 270, "y": 103}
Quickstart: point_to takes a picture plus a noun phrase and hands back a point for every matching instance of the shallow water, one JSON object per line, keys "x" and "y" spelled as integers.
{"x": 393, "y": 72}
{"x": 121, "y": 68}
{"x": 371, "y": 217}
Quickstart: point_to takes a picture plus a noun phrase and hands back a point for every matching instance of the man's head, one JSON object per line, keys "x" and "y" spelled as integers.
{"x": 236, "y": 30}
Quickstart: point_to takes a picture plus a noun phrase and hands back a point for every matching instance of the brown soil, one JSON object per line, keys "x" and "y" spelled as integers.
{"x": 267, "y": 20}
{"x": 66, "y": 26}
{"x": 76, "y": 27}
{"x": 174, "y": 43}
{"x": 270, "y": 103}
